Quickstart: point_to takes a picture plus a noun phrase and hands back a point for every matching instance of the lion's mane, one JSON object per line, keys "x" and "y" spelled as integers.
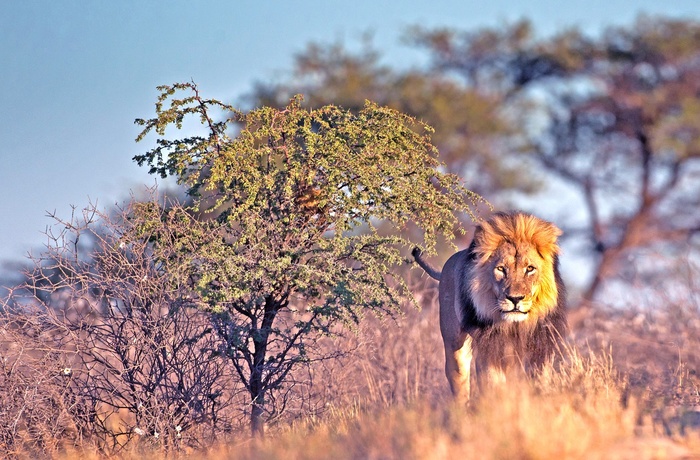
{"x": 533, "y": 341}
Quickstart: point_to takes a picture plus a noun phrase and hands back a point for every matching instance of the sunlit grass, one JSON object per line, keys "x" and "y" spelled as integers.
{"x": 577, "y": 409}
{"x": 389, "y": 399}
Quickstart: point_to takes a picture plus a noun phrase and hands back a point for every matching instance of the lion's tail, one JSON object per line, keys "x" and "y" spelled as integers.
{"x": 418, "y": 256}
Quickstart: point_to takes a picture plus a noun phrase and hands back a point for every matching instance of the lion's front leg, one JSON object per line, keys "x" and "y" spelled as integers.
{"x": 458, "y": 360}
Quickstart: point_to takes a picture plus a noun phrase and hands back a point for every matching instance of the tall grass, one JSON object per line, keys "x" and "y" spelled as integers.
{"x": 579, "y": 408}
{"x": 618, "y": 390}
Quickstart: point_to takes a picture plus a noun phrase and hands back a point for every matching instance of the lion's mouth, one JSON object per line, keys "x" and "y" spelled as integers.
{"x": 514, "y": 315}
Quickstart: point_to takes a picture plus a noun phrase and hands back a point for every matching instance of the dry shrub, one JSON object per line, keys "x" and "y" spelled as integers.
{"x": 34, "y": 419}
{"x": 101, "y": 353}
{"x": 72, "y": 379}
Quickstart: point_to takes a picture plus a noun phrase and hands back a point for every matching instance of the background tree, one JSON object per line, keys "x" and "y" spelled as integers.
{"x": 630, "y": 143}
{"x": 291, "y": 249}
{"x": 613, "y": 118}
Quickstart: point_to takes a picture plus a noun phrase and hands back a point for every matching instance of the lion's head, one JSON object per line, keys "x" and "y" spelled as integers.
{"x": 513, "y": 278}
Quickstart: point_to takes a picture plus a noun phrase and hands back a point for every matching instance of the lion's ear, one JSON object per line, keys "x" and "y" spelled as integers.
{"x": 478, "y": 232}
{"x": 552, "y": 231}
{"x": 486, "y": 241}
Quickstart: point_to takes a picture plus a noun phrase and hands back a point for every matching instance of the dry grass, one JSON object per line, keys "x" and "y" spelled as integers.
{"x": 580, "y": 409}
{"x": 620, "y": 391}
{"x": 626, "y": 389}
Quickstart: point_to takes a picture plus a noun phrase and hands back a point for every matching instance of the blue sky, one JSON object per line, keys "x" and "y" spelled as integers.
{"x": 75, "y": 74}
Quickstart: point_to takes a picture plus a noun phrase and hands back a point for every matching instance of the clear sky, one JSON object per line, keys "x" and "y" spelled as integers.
{"x": 75, "y": 74}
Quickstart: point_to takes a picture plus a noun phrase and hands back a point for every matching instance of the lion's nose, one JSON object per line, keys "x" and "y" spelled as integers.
{"x": 515, "y": 300}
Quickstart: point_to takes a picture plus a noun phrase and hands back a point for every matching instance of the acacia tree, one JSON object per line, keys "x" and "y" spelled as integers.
{"x": 640, "y": 137}
{"x": 281, "y": 244}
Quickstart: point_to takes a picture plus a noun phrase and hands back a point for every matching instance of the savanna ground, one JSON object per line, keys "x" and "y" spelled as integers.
{"x": 626, "y": 388}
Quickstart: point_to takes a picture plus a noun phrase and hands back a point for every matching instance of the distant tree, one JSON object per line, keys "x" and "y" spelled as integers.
{"x": 616, "y": 117}
{"x": 281, "y": 245}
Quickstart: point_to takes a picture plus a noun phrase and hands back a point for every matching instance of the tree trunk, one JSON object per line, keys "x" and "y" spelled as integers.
{"x": 257, "y": 392}
{"x": 604, "y": 269}
{"x": 256, "y": 387}
{"x": 257, "y": 419}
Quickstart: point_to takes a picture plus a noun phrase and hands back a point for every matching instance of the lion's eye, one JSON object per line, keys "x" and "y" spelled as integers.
{"x": 530, "y": 269}
{"x": 501, "y": 269}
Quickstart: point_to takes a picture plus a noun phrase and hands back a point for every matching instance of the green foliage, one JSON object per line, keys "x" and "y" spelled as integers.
{"x": 282, "y": 243}
{"x": 295, "y": 194}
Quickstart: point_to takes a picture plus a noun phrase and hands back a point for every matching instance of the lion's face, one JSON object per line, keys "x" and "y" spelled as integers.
{"x": 513, "y": 278}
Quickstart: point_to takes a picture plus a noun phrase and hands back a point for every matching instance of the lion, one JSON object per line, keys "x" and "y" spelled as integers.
{"x": 502, "y": 300}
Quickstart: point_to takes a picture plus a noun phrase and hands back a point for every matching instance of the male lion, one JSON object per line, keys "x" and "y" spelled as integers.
{"x": 501, "y": 300}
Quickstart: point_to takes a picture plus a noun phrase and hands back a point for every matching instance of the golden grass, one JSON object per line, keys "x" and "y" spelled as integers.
{"x": 389, "y": 399}
{"x": 577, "y": 410}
